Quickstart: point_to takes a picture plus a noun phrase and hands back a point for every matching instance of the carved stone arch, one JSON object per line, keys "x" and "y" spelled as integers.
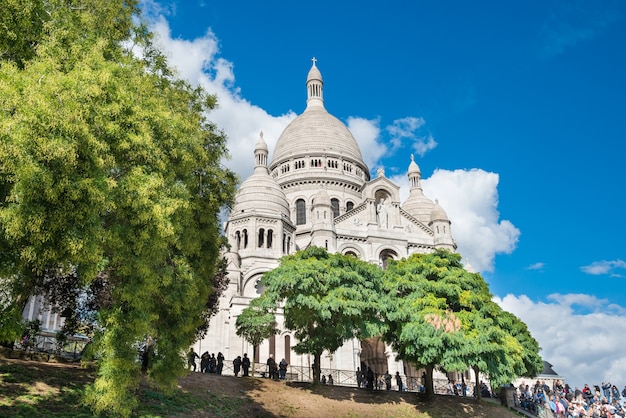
{"x": 373, "y": 355}
{"x": 351, "y": 250}
{"x": 250, "y": 285}
{"x": 382, "y": 193}
{"x": 386, "y": 254}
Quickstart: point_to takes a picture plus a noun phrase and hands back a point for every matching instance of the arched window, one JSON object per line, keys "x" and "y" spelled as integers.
{"x": 300, "y": 212}
{"x": 288, "y": 349}
{"x": 238, "y": 240}
{"x": 386, "y": 255}
{"x": 270, "y": 235}
{"x": 261, "y": 236}
{"x": 273, "y": 346}
{"x": 349, "y": 206}
{"x": 245, "y": 238}
{"x": 334, "y": 203}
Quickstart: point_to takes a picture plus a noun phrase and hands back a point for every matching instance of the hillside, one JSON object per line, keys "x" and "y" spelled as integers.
{"x": 30, "y": 388}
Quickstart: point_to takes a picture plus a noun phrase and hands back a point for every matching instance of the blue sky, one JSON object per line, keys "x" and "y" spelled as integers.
{"x": 514, "y": 111}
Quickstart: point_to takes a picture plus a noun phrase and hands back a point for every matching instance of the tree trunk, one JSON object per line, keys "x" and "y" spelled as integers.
{"x": 316, "y": 367}
{"x": 429, "y": 387}
{"x": 254, "y": 348}
{"x": 477, "y": 383}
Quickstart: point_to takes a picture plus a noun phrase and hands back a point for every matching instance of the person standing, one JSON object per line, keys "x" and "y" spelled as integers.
{"x": 282, "y": 368}
{"x": 237, "y": 365}
{"x": 399, "y": 381}
{"x": 272, "y": 369}
{"x": 245, "y": 364}
{"x": 370, "y": 378}
{"x": 220, "y": 363}
{"x": 212, "y": 363}
{"x": 191, "y": 359}
{"x": 615, "y": 393}
{"x": 359, "y": 378}
{"x": 204, "y": 362}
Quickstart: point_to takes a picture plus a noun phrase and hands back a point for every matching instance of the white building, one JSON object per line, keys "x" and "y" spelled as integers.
{"x": 317, "y": 190}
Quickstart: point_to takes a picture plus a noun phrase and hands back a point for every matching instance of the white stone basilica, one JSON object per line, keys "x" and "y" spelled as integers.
{"x": 317, "y": 191}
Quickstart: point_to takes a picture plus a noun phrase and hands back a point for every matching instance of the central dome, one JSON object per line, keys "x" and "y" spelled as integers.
{"x": 316, "y": 132}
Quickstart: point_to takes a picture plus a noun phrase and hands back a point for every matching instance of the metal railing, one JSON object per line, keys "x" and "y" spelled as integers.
{"x": 341, "y": 377}
{"x": 45, "y": 342}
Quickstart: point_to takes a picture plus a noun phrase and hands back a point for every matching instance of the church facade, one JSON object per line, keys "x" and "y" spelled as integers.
{"x": 316, "y": 190}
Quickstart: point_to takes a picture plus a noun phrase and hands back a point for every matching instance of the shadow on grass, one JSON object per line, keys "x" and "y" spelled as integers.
{"x": 34, "y": 389}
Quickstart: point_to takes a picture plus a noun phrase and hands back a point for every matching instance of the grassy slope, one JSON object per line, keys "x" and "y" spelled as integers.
{"x": 41, "y": 389}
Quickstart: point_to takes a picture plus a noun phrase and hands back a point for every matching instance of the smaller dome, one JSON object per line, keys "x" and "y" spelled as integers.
{"x": 261, "y": 145}
{"x": 438, "y": 214}
{"x": 419, "y": 205}
{"x": 413, "y": 167}
{"x": 314, "y": 73}
{"x": 260, "y": 194}
{"x": 321, "y": 198}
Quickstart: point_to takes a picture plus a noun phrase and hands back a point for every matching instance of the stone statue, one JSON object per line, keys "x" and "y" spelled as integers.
{"x": 383, "y": 215}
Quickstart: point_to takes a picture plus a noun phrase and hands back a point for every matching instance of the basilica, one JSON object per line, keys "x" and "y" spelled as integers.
{"x": 317, "y": 190}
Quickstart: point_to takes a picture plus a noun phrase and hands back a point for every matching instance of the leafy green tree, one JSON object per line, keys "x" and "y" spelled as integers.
{"x": 21, "y": 27}
{"x": 326, "y": 299}
{"x": 110, "y": 177}
{"x": 527, "y": 361}
{"x": 440, "y": 315}
{"x": 256, "y": 323}
{"x": 489, "y": 348}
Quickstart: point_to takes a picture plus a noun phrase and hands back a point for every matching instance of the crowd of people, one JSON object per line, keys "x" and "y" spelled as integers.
{"x": 561, "y": 401}
{"x": 209, "y": 363}
{"x": 373, "y": 381}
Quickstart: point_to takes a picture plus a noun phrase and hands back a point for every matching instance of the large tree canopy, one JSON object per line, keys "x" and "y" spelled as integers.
{"x": 110, "y": 173}
{"x": 326, "y": 299}
{"x": 439, "y": 314}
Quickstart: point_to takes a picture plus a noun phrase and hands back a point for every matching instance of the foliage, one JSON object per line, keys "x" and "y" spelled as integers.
{"x": 439, "y": 314}
{"x": 219, "y": 284}
{"x": 256, "y": 323}
{"x": 326, "y": 299}
{"x": 110, "y": 186}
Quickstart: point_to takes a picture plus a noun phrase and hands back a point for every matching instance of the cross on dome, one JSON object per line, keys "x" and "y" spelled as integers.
{"x": 314, "y": 60}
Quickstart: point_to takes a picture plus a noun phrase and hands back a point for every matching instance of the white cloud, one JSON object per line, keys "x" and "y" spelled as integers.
{"x": 604, "y": 267}
{"x": 470, "y": 198}
{"x": 367, "y": 135}
{"x": 409, "y": 129}
{"x": 583, "y": 348}
{"x": 197, "y": 62}
{"x": 536, "y": 266}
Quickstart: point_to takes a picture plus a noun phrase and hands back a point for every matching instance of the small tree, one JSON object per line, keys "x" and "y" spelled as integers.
{"x": 326, "y": 299}
{"x": 255, "y": 324}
